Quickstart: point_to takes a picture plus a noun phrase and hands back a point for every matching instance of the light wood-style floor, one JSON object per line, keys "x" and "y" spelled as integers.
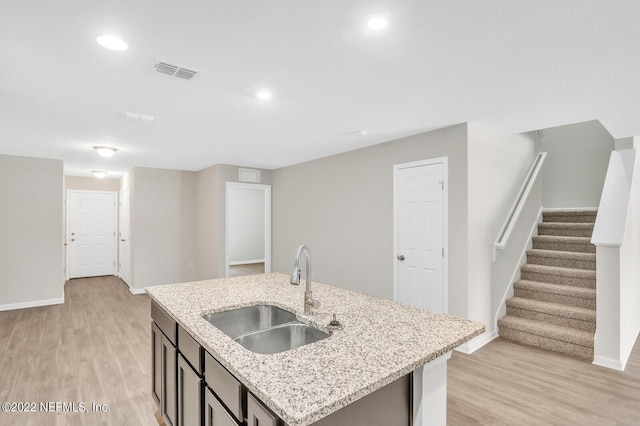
{"x": 508, "y": 384}
{"x": 96, "y": 348}
{"x": 246, "y": 269}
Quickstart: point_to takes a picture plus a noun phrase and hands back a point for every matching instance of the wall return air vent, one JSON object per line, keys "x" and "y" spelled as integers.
{"x": 176, "y": 70}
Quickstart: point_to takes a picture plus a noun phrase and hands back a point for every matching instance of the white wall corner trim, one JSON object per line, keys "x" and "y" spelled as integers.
{"x": 33, "y": 304}
{"x": 606, "y": 362}
{"x": 477, "y": 342}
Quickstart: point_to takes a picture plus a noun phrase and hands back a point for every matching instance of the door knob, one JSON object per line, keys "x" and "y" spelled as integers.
{"x": 401, "y": 257}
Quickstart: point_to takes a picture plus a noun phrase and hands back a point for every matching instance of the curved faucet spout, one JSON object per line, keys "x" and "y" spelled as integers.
{"x": 309, "y": 302}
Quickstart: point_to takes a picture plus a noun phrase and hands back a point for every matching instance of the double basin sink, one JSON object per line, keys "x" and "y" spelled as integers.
{"x": 265, "y": 329}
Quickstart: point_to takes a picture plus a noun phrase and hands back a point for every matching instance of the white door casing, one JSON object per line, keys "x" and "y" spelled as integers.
{"x": 124, "y": 253}
{"x": 420, "y": 234}
{"x": 91, "y": 233}
{"x": 267, "y": 222}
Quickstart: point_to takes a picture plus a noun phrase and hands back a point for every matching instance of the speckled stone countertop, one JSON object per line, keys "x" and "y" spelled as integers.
{"x": 381, "y": 341}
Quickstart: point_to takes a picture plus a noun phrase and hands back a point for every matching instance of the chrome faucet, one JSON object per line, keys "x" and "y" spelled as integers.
{"x": 309, "y": 302}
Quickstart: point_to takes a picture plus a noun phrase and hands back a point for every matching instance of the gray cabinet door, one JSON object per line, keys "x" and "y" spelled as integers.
{"x": 156, "y": 363}
{"x": 258, "y": 415}
{"x": 169, "y": 397}
{"x": 189, "y": 395}
{"x": 214, "y": 412}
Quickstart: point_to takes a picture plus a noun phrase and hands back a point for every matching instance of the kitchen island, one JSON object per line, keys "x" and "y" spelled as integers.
{"x": 381, "y": 343}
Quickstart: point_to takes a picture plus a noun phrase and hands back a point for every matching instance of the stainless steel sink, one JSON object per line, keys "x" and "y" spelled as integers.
{"x": 281, "y": 338}
{"x": 265, "y": 329}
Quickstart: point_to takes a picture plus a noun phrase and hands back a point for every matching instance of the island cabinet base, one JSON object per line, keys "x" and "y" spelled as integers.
{"x": 388, "y": 406}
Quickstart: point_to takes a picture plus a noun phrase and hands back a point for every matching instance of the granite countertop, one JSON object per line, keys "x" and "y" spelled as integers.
{"x": 381, "y": 341}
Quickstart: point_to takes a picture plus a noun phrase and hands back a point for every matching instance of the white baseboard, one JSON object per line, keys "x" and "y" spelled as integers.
{"x": 246, "y": 262}
{"x": 136, "y": 290}
{"x": 477, "y": 342}
{"x": 611, "y": 363}
{"x": 571, "y": 209}
{"x": 33, "y": 304}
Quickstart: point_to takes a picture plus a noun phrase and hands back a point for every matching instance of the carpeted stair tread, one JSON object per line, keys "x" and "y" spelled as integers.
{"x": 572, "y": 312}
{"x": 570, "y": 216}
{"x": 568, "y": 229}
{"x": 559, "y": 289}
{"x": 555, "y": 270}
{"x": 551, "y": 331}
{"x": 558, "y": 275}
{"x": 572, "y": 255}
{"x": 563, "y": 243}
{"x": 565, "y": 259}
{"x": 576, "y": 351}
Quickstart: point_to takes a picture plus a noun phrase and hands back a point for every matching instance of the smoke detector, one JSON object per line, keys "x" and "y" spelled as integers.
{"x": 176, "y": 70}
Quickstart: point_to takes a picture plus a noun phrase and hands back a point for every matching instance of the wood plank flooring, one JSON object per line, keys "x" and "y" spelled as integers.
{"x": 505, "y": 383}
{"x": 246, "y": 269}
{"x": 96, "y": 348}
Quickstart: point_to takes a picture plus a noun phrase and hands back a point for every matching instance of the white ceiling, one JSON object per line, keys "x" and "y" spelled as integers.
{"x": 520, "y": 66}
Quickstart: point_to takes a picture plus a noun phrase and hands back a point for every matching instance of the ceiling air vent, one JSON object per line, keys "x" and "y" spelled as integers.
{"x": 176, "y": 70}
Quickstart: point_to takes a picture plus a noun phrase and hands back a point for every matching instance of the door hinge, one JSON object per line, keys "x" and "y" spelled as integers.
{"x": 443, "y": 252}
{"x": 442, "y": 185}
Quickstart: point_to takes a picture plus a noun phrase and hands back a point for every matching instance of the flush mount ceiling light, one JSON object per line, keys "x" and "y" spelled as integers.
{"x": 99, "y": 173}
{"x": 112, "y": 42}
{"x": 362, "y": 133}
{"x": 377, "y": 23}
{"x": 138, "y": 117}
{"x": 264, "y": 95}
{"x": 105, "y": 151}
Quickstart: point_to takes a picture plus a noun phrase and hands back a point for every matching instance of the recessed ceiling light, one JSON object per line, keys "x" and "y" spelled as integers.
{"x": 105, "y": 151}
{"x": 377, "y": 23}
{"x": 112, "y": 42}
{"x": 264, "y": 95}
{"x": 99, "y": 173}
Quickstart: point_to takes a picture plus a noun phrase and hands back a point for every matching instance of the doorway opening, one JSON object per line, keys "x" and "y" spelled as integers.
{"x": 248, "y": 229}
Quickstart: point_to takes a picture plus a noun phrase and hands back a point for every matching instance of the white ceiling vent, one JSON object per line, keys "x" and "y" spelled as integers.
{"x": 176, "y": 70}
{"x": 249, "y": 175}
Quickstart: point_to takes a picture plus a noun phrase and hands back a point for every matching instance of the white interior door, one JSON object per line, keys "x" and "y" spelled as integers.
{"x": 91, "y": 232}
{"x": 124, "y": 260}
{"x": 420, "y": 235}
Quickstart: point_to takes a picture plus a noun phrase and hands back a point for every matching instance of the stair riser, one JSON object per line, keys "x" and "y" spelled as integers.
{"x": 587, "y": 265}
{"x": 552, "y": 319}
{"x": 565, "y": 232}
{"x": 577, "y": 302}
{"x": 550, "y": 217}
{"x": 551, "y": 245}
{"x": 558, "y": 279}
{"x": 547, "y": 343}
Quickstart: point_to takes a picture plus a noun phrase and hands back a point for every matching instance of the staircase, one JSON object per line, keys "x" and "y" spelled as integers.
{"x": 554, "y": 303}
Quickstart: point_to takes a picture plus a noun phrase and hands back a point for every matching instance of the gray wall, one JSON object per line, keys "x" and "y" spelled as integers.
{"x": 211, "y": 186}
{"x": 91, "y": 184}
{"x": 342, "y": 208}
{"x": 576, "y": 165}
{"x": 31, "y": 225}
{"x": 163, "y": 228}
